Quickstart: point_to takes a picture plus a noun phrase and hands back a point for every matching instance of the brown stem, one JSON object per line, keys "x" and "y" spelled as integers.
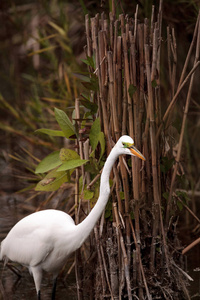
{"x": 190, "y": 246}
{"x": 182, "y": 130}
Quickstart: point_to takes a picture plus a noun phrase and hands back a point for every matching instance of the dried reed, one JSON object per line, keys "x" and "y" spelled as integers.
{"x": 128, "y": 62}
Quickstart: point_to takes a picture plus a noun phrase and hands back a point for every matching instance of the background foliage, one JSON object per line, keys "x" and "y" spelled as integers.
{"x": 44, "y": 65}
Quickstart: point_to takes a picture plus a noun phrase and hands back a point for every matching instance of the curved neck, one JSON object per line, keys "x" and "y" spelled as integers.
{"x": 86, "y": 226}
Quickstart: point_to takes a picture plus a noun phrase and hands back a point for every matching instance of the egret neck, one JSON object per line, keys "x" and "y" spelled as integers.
{"x": 85, "y": 227}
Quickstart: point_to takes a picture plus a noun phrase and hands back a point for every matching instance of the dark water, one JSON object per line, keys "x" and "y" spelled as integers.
{"x": 22, "y": 287}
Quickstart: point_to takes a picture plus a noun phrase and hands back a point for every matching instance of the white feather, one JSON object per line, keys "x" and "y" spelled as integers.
{"x": 43, "y": 240}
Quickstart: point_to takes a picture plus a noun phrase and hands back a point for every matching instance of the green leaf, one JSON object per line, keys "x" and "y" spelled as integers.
{"x": 89, "y": 105}
{"x": 13, "y": 111}
{"x": 132, "y": 215}
{"x": 166, "y": 164}
{"x": 183, "y": 195}
{"x": 108, "y": 214}
{"x": 47, "y": 49}
{"x": 85, "y": 61}
{"x": 92, "y": 167}
{"x": 162, "y": 168}
{"x": 84, "y": 7}
{"x": 89, "y": 61}
{"x": 122, "y": 197}
{"x": 49, "y": 162}
{"x": 94, "y": 133}
{"x": 93, "y": 86}
{"x": 68, "y": 154}
{"x": 93, "y": 83}
{"x": 180, "y": 205}
{"x": 154, "y": 83}
{"x": 52, "y": 181}
{"x": 131, "y": 90}
{"x": 72, "y": 164}
{"x": 50, "y": 132}
{"x": 86, "y": 118}
{"x": 87, "y": 194}
{"x": 60, "y": 30}
{"x": 102, "y": 143}
{"x": 97, "y": 136}
{"x": 108, "y": 210}
{"x": 165, "y": 195}
{"x": 64, "y": 46}
{"x": 85, "y": 96}
{"x": 64, "y": 123}
{"x": 82, "y": 77}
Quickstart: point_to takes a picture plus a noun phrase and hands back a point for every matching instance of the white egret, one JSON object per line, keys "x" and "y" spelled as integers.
{"x": 43, "y": 240}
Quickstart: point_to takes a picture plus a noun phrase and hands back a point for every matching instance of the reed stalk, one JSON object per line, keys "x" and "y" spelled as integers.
{"x": 128, "y": 62}
{"x": 197, "y": 53}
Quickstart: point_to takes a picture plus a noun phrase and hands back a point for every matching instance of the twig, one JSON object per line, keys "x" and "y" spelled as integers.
{"x": 183, "y": 272}
{"x": 171, "y": 105}
{"x": 125, "y": 258}
{"x": 190, "y": 246}
{"x": 140, "y": 260}
{"x": 100, "y": 264}
{"x": 188, "y": 209}
{"x": 190, "y": 51}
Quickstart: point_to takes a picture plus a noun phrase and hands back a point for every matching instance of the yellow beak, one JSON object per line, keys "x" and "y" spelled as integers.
{"x": 136, "y": 152}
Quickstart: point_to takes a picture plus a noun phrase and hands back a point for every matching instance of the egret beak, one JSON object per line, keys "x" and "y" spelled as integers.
{"x": 136, "y": 152}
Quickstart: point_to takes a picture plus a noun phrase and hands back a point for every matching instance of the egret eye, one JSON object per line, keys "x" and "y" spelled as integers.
{"x": 127, "y": 145}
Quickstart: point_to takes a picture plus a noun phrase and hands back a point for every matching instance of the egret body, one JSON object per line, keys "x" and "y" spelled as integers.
{"x": 43, "y": 240}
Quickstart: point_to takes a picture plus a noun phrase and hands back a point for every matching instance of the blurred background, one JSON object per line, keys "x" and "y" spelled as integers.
{"x": 41, "y": 51}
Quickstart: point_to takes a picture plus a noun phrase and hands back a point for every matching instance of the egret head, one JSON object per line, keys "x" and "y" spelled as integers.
{"x": 125, "y": 145}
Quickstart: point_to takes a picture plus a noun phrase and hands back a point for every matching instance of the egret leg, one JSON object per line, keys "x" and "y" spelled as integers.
{"x": 37, "y": 276}
{"x": 54, "y": 288}
{"x": 38, "y": 295}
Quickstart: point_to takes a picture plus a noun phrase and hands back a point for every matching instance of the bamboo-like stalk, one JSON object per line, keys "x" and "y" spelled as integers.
{"x": 156, "y": 208}
{"x": 187, "y": 208}
{"x": 101, "y": 264}
{"x": 128, "y": 57}
{"x": 111, "y": 252}
{"x": 171, "y": 105}
{"x": 154, "y": 55}
{"x": 112, "y": 94}
{"x": 182, "y": 81}
{"x": 173, "y": 46}
{"x": 119, "y": 81}
{"x": 88, "y": 38}
{"x": 190, "y": 246}
{"x": 140, "y": 261}
{"x": 169, "y": 56}
{"x": 189, "y": 51}
{"x": 130, "y": 117}
{"x": 138, "y": 110}
{"x": 152, "y": 24}
{"x": 172, "y": 69}
{"x": 183, "y": 127}
{"x": 159, "y": 17}
{"x": 156, "y": 200}
{"x": 77, "y": 207}
{"x": 123, "y": 248}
